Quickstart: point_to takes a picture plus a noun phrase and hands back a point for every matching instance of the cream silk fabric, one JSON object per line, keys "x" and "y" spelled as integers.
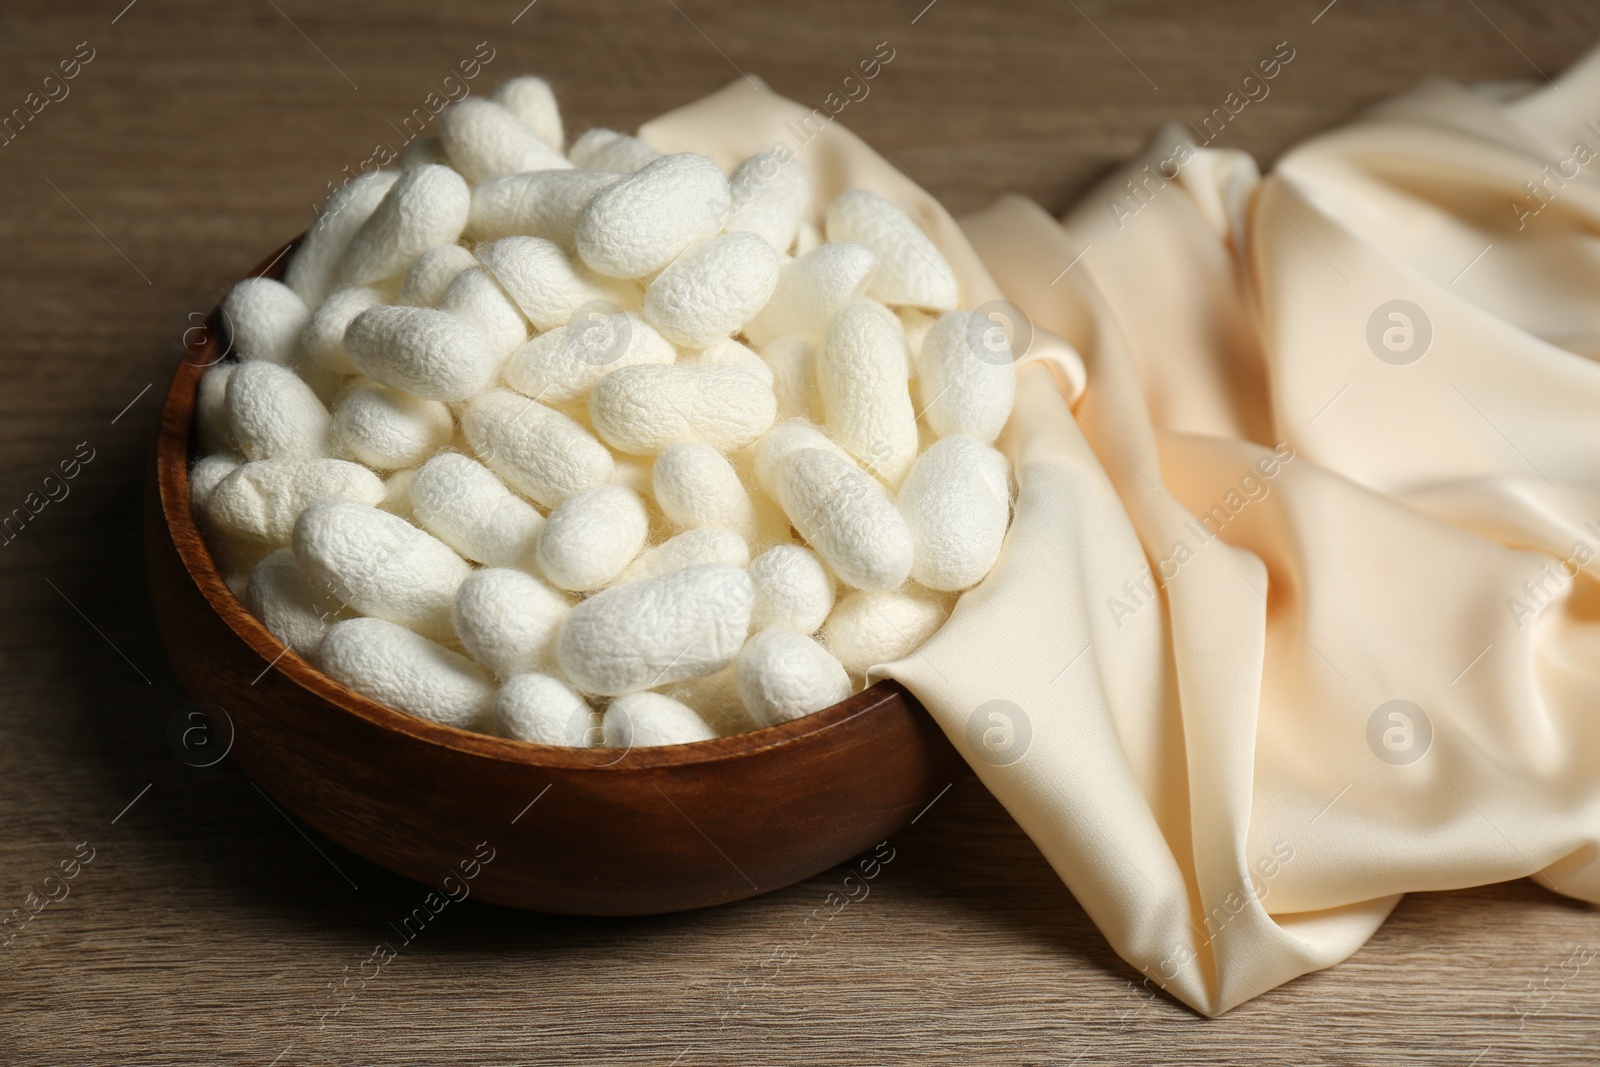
{"x": 1250, "y": 533}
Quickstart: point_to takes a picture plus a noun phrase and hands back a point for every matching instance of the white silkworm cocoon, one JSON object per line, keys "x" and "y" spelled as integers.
{"x": 541, "y": 203}
{"x": 477, "y": 296}
{"x": 784, "y": 675}
{"x": 911, "y": 270}
{"x": 434, "y": 354}
{"x": 386, "y": 428}
{"x": 213, "y": 432}
{"x": 640, "y": 224}
{"x": 380, "y": 564}
{"x": 560, "y": 366}
{"x": 966, "y": 380}
{"x": 543, "y": 280}
{"x": 541, "y": 453}
{"x": 681, "y": 625}
{"x": 709, "y": 544}
{"x": 792, "y": 361}
{"x": 288, "y": 605}
{"x": 274, "y": 414}
{"x": 264, "y": 320}
{"x": 508, "y": 620}
{"x": 956, "y": 502}
{"x": 695, "y": 486}
{"x": 845, "y": 515}
{"x": 646, "y": 720}
{"x": 423, "y": 152}
{"x": 394, "y": 666}
{"x": 426, "y": 208}
{"x": 784, "y": 439}
{"x": 647, "y": 408}
{"x": 591, "y": 536}
{"x": 253, "y": 509}
{"x": 603, "y": 149}
{"x": 322, "y": 340}
{"x": 731, "y": 353}
{"x": 430, "y": 275}
{"x": 463, "y": 504}
{"x": 869, "y": 628}
{"x": 531, "y": 100}
{"x": 712, "y": 289}
{"x": 206, "y": 474}
{"x": 861, "y": 376}
{"x": 811, "y": 290}
{"x": 793, "y": 589}
{"x": 544, "y": 710}
{"x": 313, "y": 266}
{"x": 768, "y": 195}
{"x": 486, "y": 140}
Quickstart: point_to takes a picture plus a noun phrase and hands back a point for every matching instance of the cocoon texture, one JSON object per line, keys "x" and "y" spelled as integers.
{"x": 648, "y": 408}
{"x": 486, "y": 140}
{"x": 531, "y": 100}
{"x": 911, "y": 270}
{"x": 785, "y": 439}
{"x": 768, "y": 195}
{"x": 387, "y": 428}
{"x": 792, "y": 589}
{"x": 560, "y": 366}
{"x": 380, "y": 565}
{"x": 681, "y": 625}
{"x": 861, "y": 378}
{"x": 543, "y": 280}
{"x": 731, "y": 353}
{"x": 846, "y": 516}
{"x": 811, "y": 289}
{"x": 206, "y": 474}
{"x": 264, "y": 319}
{"x": 275, "y": 415}
{"x": 475, "y": 295}
{"x": 425, "y": 208}
{"x": 508, "y": 619}
{"x": 957, "y": 503}
{"x": 435, "y": 354}
{"x": 543, "y": 710}
{"x": 322, "y": 340}
{"x": 712, "y": 289}
{"x": 966, "y": 380}
{"x": 463, "y": 504}
{"x": 709, "y": 544}
{"x": 539, "y": 452}
{"x": 541, "y": 203}
{"x": 288, "y": 605}
{"x": 603, "y": 149}
{"x": 783, "y": 675}
{"x": 869, "y": 628}
{"x": 793, "y": 362}
{"x": 431, "y": 273}
{"x": 212, "y": 429}
{"x": 694, "y": 485}
{"x": 253, "y": 509}
{"x": 640, "y": 224}
{"x": 591, "y": 536}
{"x": 314, "y": 265}
{"x": 394, "y": 666}
{"x": 645, "y": 720}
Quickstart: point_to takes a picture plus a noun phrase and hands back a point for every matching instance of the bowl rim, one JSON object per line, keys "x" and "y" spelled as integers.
{"x": 172, "y": 460}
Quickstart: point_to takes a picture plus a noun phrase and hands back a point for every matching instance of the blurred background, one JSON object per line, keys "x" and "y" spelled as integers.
{"x": 188, "y": 141}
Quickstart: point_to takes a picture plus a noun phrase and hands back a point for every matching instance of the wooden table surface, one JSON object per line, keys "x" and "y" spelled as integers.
{"x": 208, "y": 928}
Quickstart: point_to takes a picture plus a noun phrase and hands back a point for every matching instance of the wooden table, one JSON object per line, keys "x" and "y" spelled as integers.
{"x": 208, "y": 928}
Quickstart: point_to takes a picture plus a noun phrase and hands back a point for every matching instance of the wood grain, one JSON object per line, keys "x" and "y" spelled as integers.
{"x": 210, "y": 929}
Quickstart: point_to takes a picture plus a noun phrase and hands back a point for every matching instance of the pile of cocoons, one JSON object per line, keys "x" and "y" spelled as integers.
{"x": 592, "y": 445}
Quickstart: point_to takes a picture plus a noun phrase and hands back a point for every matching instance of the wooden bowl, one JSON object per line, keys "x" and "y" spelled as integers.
{"x": 578, "y": 831}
